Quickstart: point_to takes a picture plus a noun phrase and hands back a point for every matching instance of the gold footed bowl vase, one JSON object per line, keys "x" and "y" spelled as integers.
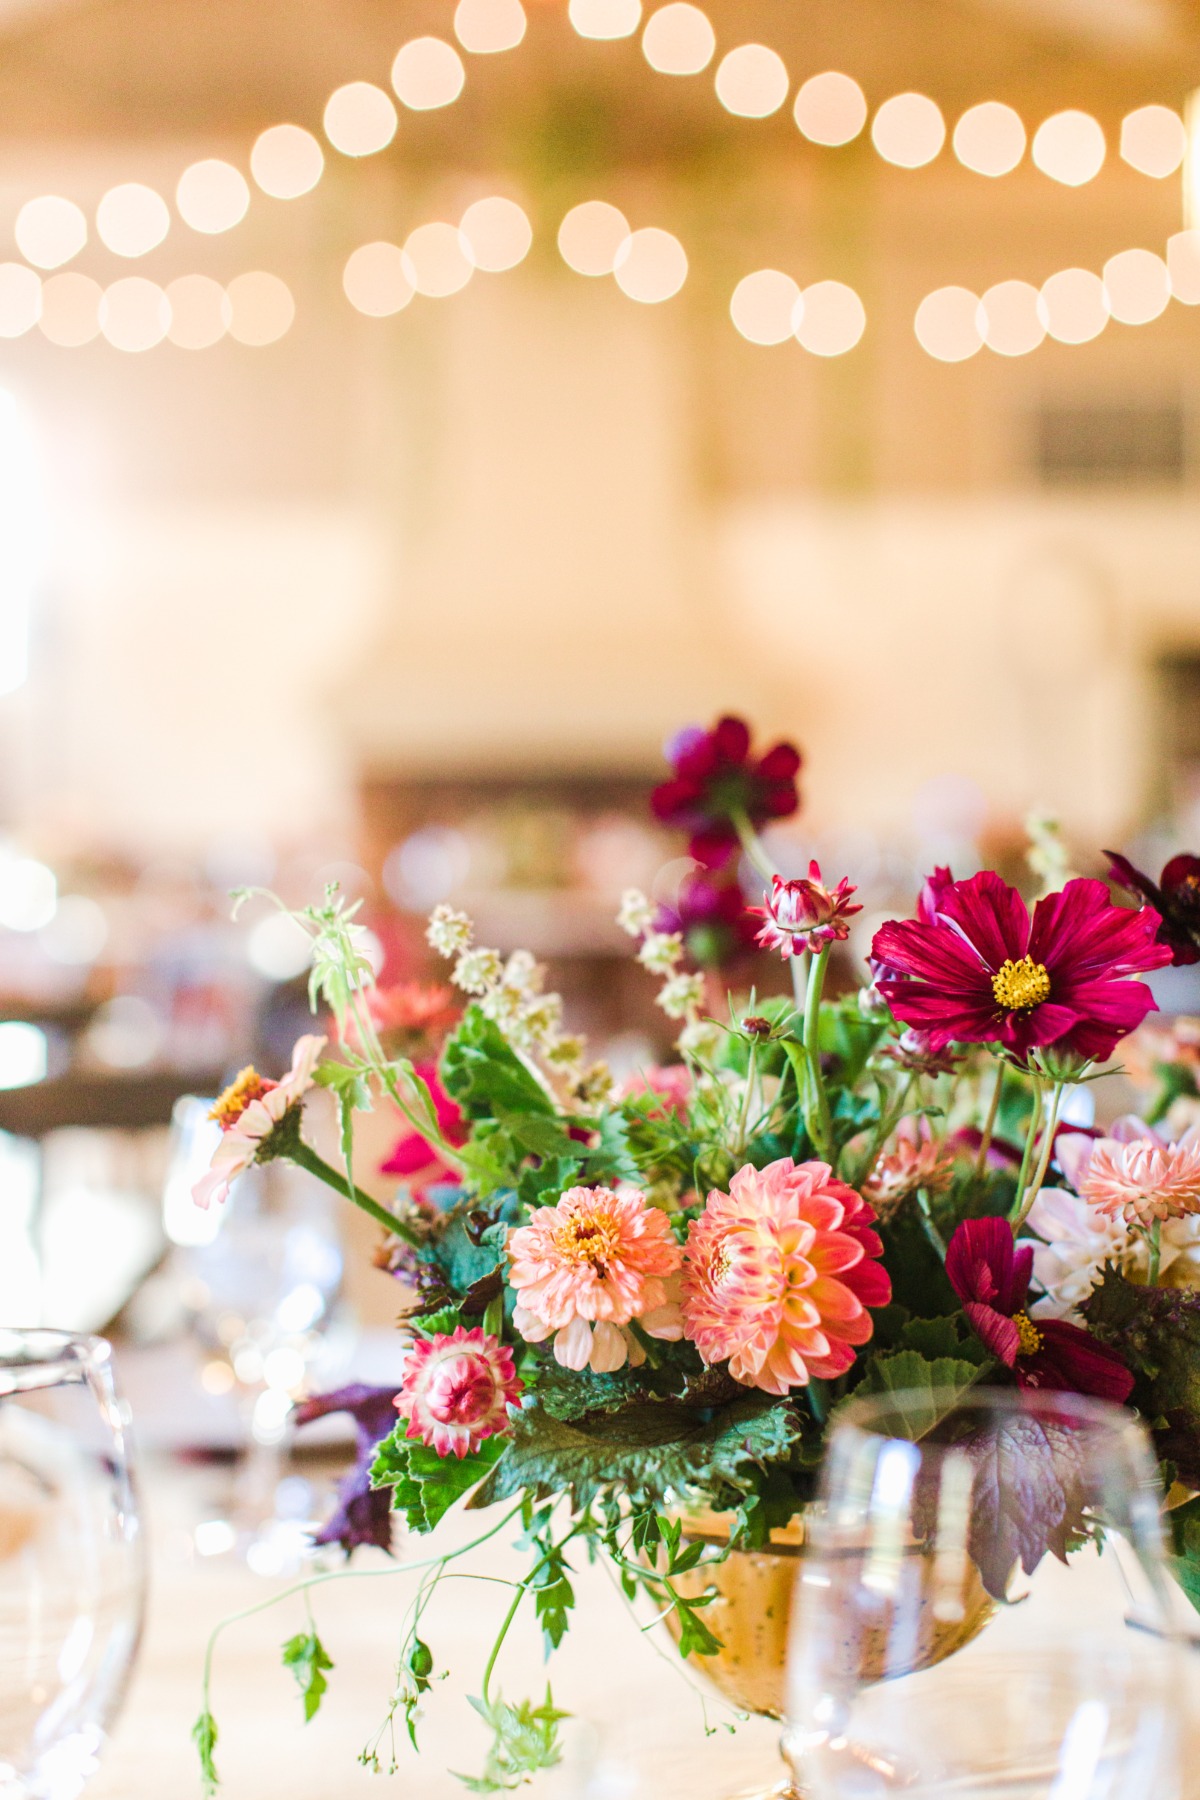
{"x": 753, "y": 1615}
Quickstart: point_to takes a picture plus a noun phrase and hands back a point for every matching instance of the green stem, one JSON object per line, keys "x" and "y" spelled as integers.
{"x": 927, "y": 1224}
{"x": 1035, "y": 1186}
{"x": 509, "y": 1616}
{"x": 1155, "y": 1252}
{"x": 812, "y": 1034}
{"x": 1035, "y": 1119}
{"x": 989, "y": 1124}
{"x": 752, "y": 844}
{"x": 744, "y": 1117}
{"x": 306, "y": 1158}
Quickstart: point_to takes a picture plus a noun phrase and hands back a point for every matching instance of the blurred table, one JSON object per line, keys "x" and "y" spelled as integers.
{"x": 639, "y": 1729}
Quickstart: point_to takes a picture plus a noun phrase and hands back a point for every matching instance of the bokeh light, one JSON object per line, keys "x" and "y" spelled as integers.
{"x": 752, "y": 81}
{"x": 279, "y": 948}
{"x": 990, "y": 139}
{"x": 1069, "y": 147}
{"x": 200, "y": 312}
{"x": 20, "y": 299}
{"x": 435, "y": 261}
{"x": 651, "y": 266}
{"x": 496, "y": 233}
{"x": 261, "y": 308}
{"x": 132, "y": 219}
{"x": 605, "y": 18}
{"x": 134, "y": 314}
{"x": 829, "y": 318}
{"x": 428, "y": 73}
{"x": 947, "y": 324}
{"x": 77, "y": 933}
{"x": 590, "y": 237}
{"x": 763, "y": 304}
{"x": 376, "y": 281}
{"x": 23, "y": 1054}
{"x": 1010, "y": 318}
{"x": 71, "y": 309}
{"x": 360, "y": 119}
{"x": 679, "y": 39}
{"x": 50, "y": 231}
{"x": 28, "y": 893}
{"x": 830, "y": 108}
{"x": 485, "y": 27}
{"x": 1153, "y": 141}
{"x": 212, "y": 196}
{"x": 1183, "y": 265}
{"x": 908, "y": 130}
{"x": 1138, "y": 286}
{"x": 287, "y": 161}
{"x": 1074, "y": 306}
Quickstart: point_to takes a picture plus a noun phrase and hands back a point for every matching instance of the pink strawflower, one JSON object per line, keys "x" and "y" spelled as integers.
{"x": 457, "y": 1390}
{"x": 779, "y": 1273}
{"x": 1143, "y": 1180}
{"x": 585, "y": 1269}
{"x": 915, "y": 1160}
{"x": 804, "y": 914}
{"x": 248, "y": 1112}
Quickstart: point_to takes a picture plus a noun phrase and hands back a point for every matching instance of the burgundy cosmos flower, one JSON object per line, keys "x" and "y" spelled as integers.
{"x": 1175, "y": 897}
{"x": 711, "y": 916}
{"x": 991, "y": 1276}
{"x": 979, "y": 970}
{"x": 805, "y": 914}
{"x": 715, "y": 777}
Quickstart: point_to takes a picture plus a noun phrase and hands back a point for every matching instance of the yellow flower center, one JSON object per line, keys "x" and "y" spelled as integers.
{"x": 248, "y": 1086}
{"x": 1019, "y": 986}
{"x": 1029, "y": 1338}
{"x": 585, "y": 1238}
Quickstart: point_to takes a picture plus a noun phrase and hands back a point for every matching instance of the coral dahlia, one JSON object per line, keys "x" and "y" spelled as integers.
{"x": 977, "y": 969}
{"x": 457, "y": 1390}
{"x": 779, "y": 1273}
{"x": 585, "y": 1269}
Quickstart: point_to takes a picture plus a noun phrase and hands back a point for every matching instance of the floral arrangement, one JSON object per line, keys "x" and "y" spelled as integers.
{"x": 624, "y": 1300}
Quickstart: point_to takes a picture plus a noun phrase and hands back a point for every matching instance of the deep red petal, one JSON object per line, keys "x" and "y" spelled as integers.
{"x": 993, "y": 1330}
{"x": 1070, "y": 1359}
{"x": 781, "y": 763}
{"x": 991, "y": 915}
{"x": 933, "y": 953}
{"x": 979, "y": 1260}
{"x": 731, "y": 738}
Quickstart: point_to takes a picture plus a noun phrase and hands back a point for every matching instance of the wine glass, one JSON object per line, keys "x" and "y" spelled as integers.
{"x": 72, "y": 1563}
{"x": 984, "y": 1609}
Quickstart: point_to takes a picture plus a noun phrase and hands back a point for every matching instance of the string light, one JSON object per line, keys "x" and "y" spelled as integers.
{"x": 679, "y": 40}
{"x": 829, "y": 318}
{"x": 132, "y": 219}
{"x": 286, "y": 161}
{"x": 1074, "y": 306}
{"x": 261, "y": 308}
{"x": 212, "y": 196}
{"x": 763, "y": 305}
{"x": 591, "y": 237}
{"x": 1137, "y": 286}
{"x": 496, "y": 234}
{"x": 20, "y": 299}
{"x": 428, "y": 73}
{"x": 70, "y": 309}
{"x": 1183, "y": 266}
{"x": 360, "y": 119}
{"x": 1010, "y": 318}
{"x": 435, "y": 261}
{"x": 200, "y": 312}
{"x": 908, "y": 130}
{"x": 830, "y": 108}
{"x": 752, "y": 81}
{"x": 486, "y": 27}
{"x": 50, "y": 231}
{"x": 1069, "y": 147}
{"x": 134, "y": 314}
{"x": 605, "y": 18}
{"x": 651, "y": 266}
{"x": 376, "y": 280}
{"x": 990, "y": 139}
{"x": 947, "y": 324}
{"x": 1153, "y": 141}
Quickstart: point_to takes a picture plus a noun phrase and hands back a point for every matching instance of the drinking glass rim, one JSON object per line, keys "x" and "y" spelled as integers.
{"x": 64, "y": 1355}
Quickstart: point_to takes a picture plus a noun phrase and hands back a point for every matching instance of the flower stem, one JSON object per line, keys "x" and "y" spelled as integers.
{"x": 812, "y": 1035}
{"x": 1155, "y": 1240}
{"x": 306, "y": 1158}
{"x": 752, "y": 844}
{"x": 989, "y": 1124}
{"x": 1035, "y": 1186}
{"x": 1035, "y": 1119}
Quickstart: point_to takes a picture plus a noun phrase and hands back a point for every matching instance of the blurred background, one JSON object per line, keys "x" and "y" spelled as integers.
{"x": 411, "y": 413}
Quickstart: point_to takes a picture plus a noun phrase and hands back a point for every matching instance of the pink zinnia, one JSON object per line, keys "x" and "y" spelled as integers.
{"x": 1143, "y": 1180}
{"x": 979, "y": 970}
{"x": 804, "y": 914}
{"x": 779, "y": 1273}
{"x": 585, "y": 1269}
{"x": 457, "y": 1390}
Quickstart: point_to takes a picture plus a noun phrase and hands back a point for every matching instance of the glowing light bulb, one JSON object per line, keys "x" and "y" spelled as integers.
{"x": 261, "y": 308}
{"x": 651, "y": 266}
{"x": 947, "y": 324}
{"x": 1138, "y": 286}
{"x": 591, "y": 236}
{"x": 135, "y": 314}
{"x": 496, "y": 234}
{"x": 434, "y": 260}
{"x": 1010, "y": 318}
{"x": 360, "y": 119}
{"x": 679, "y": 39}
{"x": 428, "y": 73}
{"x": 20, "y": 299}
{"x": 908, "y": 130}
{"x": 200, "y": 312}
{"x": 1153, "y": 141}
{"x": 763, "y": 304}
{"x": 605, "y": 18}
{"x": 752, "y": 81}
{"x": 830, "y": 108}
{"x": 1183, "y": 264}
{"x": 212, "y": 196}
{"x": 50, "y": 231}
{"x": 1074, "y": 306}
{"x": 829, "y": 318}
{"x": 990, "y": 139}
{"x": 132, "y": 219}
{"x": 376, "y": 280}
{"x": 1069, "y": 147}
{"x": 287, "y": 161}
{"x": 71, "y": 309}
{"x": 485, "y": 27}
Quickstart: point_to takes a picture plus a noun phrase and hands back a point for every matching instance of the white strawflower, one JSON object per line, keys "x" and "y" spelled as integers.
{"x": 503, "y": 1005}
{"x": 448, "y": 931}
{"x": 524, "y": 973}
{"x": 477, "y": 970}
{"x": 1077, "y": 1242}
{"x": 565, "y": 1052}
{"x": 542, "y": 1017}
{"x": 700, "y": 1038}
{"x": 596, "y": 1084}
{"x": 681, "y": 996}
{"x": 661, "y": 952}
{"x": 637, "y": 914}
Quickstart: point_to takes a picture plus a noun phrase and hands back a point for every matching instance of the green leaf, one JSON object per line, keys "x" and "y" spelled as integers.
{"x": 425, "y": 1484}
{"x": 305, "y": 1655}
{"x": 570, "y": 1394}
{"x": 647, "y": 1450}
{"x": 553, "y": 1598}
{"x": 524, "y": 1741}
{"x": 535, "y": 1132}
{"x": 937, "y": 1338}
{"x": 483, "y": 1073}
{"x": 543, "y": 1185}
{"x": 1184, "y": 1524}
{"x": 435, "y": 1324}
{"x": 611, "y": 1158}
{"x": 204, "y": 1736}
{"x": 934, "y": 1388}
